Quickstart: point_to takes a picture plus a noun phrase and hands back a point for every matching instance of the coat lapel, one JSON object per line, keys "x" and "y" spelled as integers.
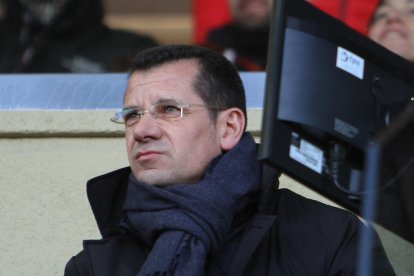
{"x": 118, "y": 255}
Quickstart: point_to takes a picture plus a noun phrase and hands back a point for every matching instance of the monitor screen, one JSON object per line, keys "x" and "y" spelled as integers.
{"x": 329, "y": 91}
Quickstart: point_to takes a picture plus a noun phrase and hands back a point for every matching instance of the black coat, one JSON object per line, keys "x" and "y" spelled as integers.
{"x": 76, "y": 41}
{"x": 289, "y": 235}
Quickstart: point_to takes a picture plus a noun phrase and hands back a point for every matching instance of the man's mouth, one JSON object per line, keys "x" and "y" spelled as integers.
{"x": 142, "y": 155}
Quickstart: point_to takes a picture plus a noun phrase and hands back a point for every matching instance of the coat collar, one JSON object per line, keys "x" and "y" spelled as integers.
{"x": 106, "y": 194}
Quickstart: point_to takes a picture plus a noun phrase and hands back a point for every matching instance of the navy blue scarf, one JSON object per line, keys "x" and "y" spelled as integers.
{"x": 186, "y": 222}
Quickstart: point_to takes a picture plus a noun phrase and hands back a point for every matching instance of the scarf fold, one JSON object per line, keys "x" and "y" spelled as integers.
{"x": 184, "y": 223}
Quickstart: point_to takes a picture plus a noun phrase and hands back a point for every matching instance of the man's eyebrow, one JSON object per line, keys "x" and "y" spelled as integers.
{"x": 131, "y": 107}
{"x": 166, "y": 100}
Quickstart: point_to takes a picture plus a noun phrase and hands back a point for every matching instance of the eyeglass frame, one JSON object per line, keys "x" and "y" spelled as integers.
{"x": 119, "y": 118}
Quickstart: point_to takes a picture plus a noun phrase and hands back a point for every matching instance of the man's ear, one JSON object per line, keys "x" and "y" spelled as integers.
{"x": 232, "y": 122}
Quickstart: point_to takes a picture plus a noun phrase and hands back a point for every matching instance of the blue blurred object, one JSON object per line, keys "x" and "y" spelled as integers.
{"x": 87, "y": 91}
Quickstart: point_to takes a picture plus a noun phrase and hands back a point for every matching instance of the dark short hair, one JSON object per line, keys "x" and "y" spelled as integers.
{"x": 218, "y": 82}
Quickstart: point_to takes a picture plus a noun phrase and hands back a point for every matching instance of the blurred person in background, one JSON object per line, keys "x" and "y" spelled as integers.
{"x": 244, "y": 40}
{"x": 392, "y": 26}
{"x": 43, "y": 36}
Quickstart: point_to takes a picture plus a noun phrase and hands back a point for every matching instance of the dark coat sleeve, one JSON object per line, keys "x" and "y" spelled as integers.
{"x": 77, "y": 265}
{"x": 311, "y": 238}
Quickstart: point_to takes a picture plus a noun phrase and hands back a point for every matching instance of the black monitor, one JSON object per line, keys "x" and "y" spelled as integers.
{"x": 329, "y": 91}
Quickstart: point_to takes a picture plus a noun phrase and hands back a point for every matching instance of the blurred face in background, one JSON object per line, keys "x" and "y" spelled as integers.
{"x": 393, "y": 27}
{"x": 251, "y": 13}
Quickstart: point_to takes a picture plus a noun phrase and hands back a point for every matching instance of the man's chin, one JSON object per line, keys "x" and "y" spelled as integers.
{"x": 153, "y": 177}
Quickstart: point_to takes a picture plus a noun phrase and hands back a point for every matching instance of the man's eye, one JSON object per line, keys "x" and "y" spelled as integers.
{"x": 132, "y": 114}
{"x": 168, "y": 109}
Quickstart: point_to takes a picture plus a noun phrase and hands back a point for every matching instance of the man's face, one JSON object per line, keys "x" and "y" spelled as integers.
{"x": 251, "y": 13}
{"x": 167, "y": 152}
{"x": 393, "y": 27}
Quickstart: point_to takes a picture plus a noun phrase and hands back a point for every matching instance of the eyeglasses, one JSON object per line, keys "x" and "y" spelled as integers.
{"x": 170, "y": 111}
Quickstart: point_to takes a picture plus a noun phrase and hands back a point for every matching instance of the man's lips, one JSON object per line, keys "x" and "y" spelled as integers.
{"x": 146, "y": 154}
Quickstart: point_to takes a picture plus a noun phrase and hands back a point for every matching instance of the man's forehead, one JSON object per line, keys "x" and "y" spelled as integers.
{"x": 142, "y": 83}
{"x": 160, "y": 82}
{"x": 153, "y": 87}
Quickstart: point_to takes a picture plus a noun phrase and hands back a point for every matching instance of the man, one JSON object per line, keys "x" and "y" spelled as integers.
{"x": 195, "y": 200}
{"x": 392, "y": 26}
{"x": 244, "y": 40}
{"x": 65, "y": 36}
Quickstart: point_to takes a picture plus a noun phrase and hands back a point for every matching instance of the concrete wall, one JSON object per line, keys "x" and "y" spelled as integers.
{"x": 46, "y": 158}
{"x": 44, "y": 165}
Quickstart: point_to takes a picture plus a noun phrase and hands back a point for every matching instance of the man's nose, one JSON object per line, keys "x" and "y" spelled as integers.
{"x": 146, "y": 129}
